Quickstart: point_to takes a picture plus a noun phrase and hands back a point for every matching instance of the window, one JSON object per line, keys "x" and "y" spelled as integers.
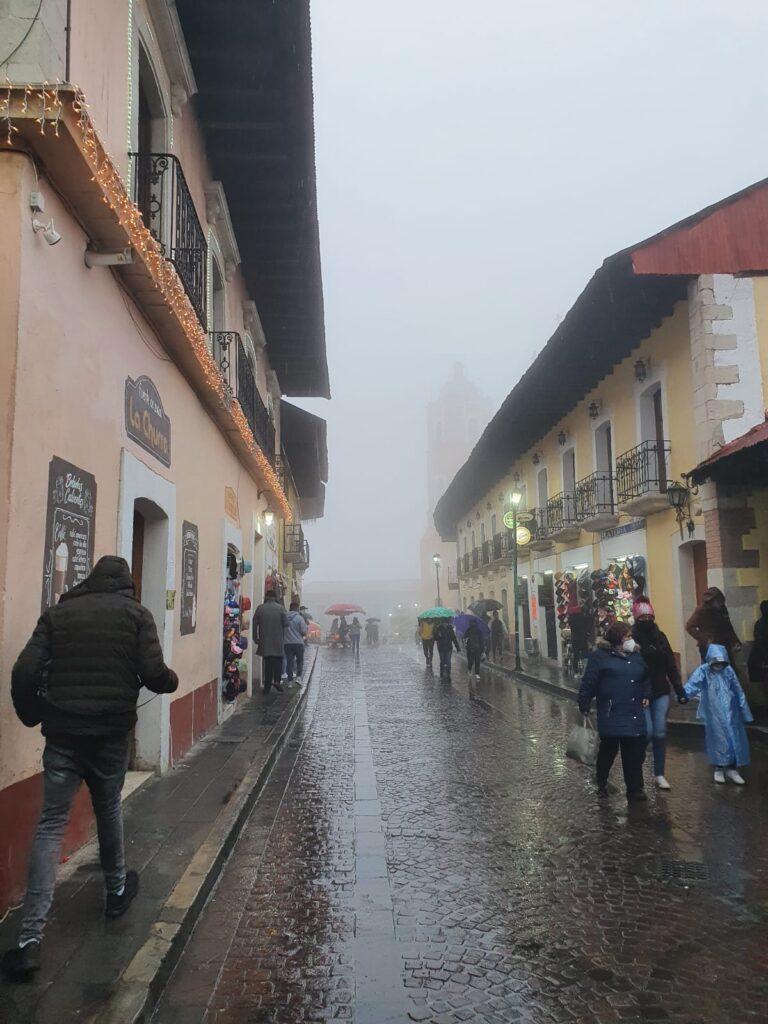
{"x": 474, "y": 542}
{"x": 603, "y": 448}
{"x": 493, "y": 525}
{"x": 482, "y": 533}
{"x": 569, "y": 471}
{"x": 541, "y": 481}
{"x": 218, "y": 313}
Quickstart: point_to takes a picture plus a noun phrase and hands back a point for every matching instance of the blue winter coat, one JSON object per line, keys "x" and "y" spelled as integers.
{"x": 620, "y": 685}
{"x": 723, "y": 708}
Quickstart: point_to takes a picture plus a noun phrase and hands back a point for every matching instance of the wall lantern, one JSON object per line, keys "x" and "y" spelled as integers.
{"x": 536, "y": 459}
{"x": 477, "y": 515}
{"x": 679, "y": 498}
{"x": 641, "y": 370}
{"x": 488, "y": 506}
{"x": 562, "y": 437}
{"x": 594, "y": 410}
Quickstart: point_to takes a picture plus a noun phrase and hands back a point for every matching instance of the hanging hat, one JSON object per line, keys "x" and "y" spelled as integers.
{"x": 642, "y": 607}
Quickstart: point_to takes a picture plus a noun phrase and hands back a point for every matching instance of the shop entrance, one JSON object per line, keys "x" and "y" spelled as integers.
{"x": 547, "y": 603}
{"x": 149, "y": 555}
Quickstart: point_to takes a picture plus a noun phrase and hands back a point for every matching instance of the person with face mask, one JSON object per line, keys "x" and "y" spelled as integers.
{"x": 724, "y": 710}
{"x": 664, "y": 675}
{"x": 616, "y": 677}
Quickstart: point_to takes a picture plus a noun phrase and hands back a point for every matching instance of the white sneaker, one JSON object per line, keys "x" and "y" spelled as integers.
{"x": 661, "y": 783}
{"x": 734, "y": 776}
{"x": 719, "y": 775}
{"x": 477, "y": 677}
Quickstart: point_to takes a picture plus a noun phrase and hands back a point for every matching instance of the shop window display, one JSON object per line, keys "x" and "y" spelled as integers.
{"x": 236, "y": 623}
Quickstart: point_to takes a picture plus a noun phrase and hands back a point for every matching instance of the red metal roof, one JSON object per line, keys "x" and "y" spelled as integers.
{"x": 757, "y": 435}
{"x": 730, "y": 237}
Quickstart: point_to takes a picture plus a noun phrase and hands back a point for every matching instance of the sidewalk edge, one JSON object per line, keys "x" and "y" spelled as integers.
{"x": 139, "y": 987}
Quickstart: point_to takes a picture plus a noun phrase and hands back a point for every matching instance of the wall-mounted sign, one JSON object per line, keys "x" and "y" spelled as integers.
{"x": 145, "y": 419}
{"x": 69, "y": 529}
{"x": 523, "y": 536}
{"x": 231, "y": 507}
{"x": 190, "y": 551}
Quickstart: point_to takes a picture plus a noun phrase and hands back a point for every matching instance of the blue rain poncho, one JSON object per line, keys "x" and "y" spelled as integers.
{"x": 723, "y": 708}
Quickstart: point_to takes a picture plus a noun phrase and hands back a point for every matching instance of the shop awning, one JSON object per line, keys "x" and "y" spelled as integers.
{"x": 304, "y": 440}
{"x": 742, "y": 461}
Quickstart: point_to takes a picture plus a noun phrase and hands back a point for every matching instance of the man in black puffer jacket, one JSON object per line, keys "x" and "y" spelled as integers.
{"x": 79, "y": 676}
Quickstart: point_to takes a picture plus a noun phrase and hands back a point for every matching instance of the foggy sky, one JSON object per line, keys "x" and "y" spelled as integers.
{"x": 476, "y": 162}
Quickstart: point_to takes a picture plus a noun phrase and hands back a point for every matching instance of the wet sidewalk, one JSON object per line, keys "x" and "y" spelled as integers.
{"x": 179, "y": 829}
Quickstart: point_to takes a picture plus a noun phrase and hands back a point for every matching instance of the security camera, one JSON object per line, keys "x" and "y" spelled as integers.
{"x": 50, "y": 234}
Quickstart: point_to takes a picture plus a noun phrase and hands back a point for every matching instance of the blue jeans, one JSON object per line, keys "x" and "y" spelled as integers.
{"x": 445, "y": 661}
{"x": 294, "y": 660}
{"x": 99, "y": 761}
{"x": 656, "y": 727}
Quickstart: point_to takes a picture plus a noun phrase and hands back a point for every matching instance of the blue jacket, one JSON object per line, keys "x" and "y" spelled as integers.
{"x": 619, "y": 685}
{"x": 723, "y": 708}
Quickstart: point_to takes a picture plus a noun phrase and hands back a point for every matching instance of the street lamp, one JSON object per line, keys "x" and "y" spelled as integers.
{"x": 436, "y": 560}
{"x": 515, "y": 499}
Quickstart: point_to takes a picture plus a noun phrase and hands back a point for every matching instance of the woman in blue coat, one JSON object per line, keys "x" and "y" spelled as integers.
{"x": 617, "y": 678}
{"x": 724, "y": 709}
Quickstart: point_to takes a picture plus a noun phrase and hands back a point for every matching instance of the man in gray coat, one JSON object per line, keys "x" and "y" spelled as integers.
{"x": 269, "y": 622}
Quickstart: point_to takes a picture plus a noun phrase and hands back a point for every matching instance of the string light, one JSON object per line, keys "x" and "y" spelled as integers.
{"x": 104, "y": 172}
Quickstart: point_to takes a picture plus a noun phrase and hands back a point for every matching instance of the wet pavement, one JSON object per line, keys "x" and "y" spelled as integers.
{"x": 426, "y": 852}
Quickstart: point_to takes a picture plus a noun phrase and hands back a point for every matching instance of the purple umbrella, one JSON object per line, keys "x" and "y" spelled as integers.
{"x": 462, "y": 622}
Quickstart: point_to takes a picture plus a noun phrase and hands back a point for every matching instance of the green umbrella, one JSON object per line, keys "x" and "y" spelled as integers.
{"x": 437, "y": 613}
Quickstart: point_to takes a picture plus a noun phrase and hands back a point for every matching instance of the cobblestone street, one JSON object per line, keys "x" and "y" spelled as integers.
{"x": 421, "y": 855}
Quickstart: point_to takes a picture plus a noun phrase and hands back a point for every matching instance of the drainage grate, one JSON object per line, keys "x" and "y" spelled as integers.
{"x": 684, "y": 871}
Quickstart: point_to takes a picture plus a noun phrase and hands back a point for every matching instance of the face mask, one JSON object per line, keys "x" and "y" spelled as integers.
{"x": 629, "y": 646}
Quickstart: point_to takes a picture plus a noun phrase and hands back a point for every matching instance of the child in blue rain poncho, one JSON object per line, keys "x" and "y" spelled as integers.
{"x": 723, "y": 708}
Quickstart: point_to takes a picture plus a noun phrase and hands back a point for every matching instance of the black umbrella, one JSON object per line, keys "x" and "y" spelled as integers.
{"x": 485, "y": 604}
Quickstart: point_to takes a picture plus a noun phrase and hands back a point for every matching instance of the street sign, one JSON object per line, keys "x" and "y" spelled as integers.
{"x": 509, "y": 520}
{"x": 525, "y": 517}
{"x": 522, "y": 517}
{"x": 523, "y": 536}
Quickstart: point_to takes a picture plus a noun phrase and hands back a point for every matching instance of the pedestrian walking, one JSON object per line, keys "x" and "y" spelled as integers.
{"x": 498, "y": 634}
{"x": 355, "y": 632}
{"x": 724, "y": 710}
{"x": 664, "y": 676}
{"x": 79, "y": 677}
{"x": 711, "y": 624}
{"x": 269, "y": 622}
{"x": 426, "y": 631}
{"x": 617, "y": 679}
{"x": 293, "y": 641}
{"x": 343, "y": 630}
{"x": 474, "y": 645}
{"x": 446, "y": 639}
{"x": 758, "y": 656}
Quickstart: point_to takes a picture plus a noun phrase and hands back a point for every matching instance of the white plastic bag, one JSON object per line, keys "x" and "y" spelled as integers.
{"x": 582, "y": 742}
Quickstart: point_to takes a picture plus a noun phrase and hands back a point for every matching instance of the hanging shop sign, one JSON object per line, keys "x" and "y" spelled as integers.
{"x": 145, "y": 419}
{"x": 510, "y": 518}
{"x": 523, "y": 536}
{"x": 69, "y": 529}
{"x": 620, "y": 531}
{"x": 190, "y": 552}
{"x": 231, "y": 505}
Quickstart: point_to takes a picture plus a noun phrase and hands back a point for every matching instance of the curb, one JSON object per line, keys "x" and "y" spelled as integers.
{"x": 757, "y": 733}
{"x": 142, "y": 982}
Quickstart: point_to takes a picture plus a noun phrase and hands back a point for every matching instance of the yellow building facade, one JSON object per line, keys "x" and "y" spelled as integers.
{"x": 661, "y": 366}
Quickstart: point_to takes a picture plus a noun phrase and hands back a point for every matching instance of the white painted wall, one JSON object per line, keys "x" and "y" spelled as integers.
{"x": 738, "y": 293}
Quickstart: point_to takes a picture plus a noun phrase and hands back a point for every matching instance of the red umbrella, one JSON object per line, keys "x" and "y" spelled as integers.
{"x": 345, "y": 609}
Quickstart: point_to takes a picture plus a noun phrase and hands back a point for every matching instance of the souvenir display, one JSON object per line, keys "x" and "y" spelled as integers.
{"x": 234, "y": 666}
{"x": 614, "y": 589}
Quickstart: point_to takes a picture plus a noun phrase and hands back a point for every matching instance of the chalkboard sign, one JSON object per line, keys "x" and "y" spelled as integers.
{"x": 190, "y": 549}
{"x": 145, "y": 419}
{"x": 69, "y": 529}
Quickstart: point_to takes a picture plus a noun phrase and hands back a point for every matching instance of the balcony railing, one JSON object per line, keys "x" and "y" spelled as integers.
{"x": 539, "y": 527}
{"x": 642, "y": 475}
{"x": 295, "y": 547}
{"x": 499, "y": 548}
{"x": 475, "y": 558}
{"x": 163, "y": 197}
{"x": 237, "y": 373}
{"x": 485, "y": 552}
{"x": 563, "y": 516}
{"x": 453, "y": 577}
{"x": 596, "y": 501}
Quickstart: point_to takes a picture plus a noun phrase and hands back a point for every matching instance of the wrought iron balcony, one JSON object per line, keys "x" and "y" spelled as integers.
{"x": 539, "y": 527}
{"x": 642, "y": 478}
{"x": 162, "y": 195}
{"x": 485, "y": 552}
{"x": 295, "y": 547}
{"x": 236, "y": 371}
{"x": 475, "y": 558}
{"x": 596, "y": 501}
{"x": 453, "y": 576}
{"x": 562, "y": 517}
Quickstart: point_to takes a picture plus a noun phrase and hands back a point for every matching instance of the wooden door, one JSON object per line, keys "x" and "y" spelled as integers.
{"x": 661, "y": 458}
{"x": 700, "y": 569}
{"x": 137, "y": 558}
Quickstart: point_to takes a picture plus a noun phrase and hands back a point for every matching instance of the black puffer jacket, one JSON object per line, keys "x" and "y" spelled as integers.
{"x": 81, "y": 671}
{"x": 657, "y": 655}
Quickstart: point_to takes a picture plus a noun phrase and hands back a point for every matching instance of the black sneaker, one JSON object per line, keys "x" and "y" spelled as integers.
{"x": 22, "y": 962}
{"x": 279, "y": 687}
{"x": 637, "y": 797}
{"x": 117, "y": 905}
